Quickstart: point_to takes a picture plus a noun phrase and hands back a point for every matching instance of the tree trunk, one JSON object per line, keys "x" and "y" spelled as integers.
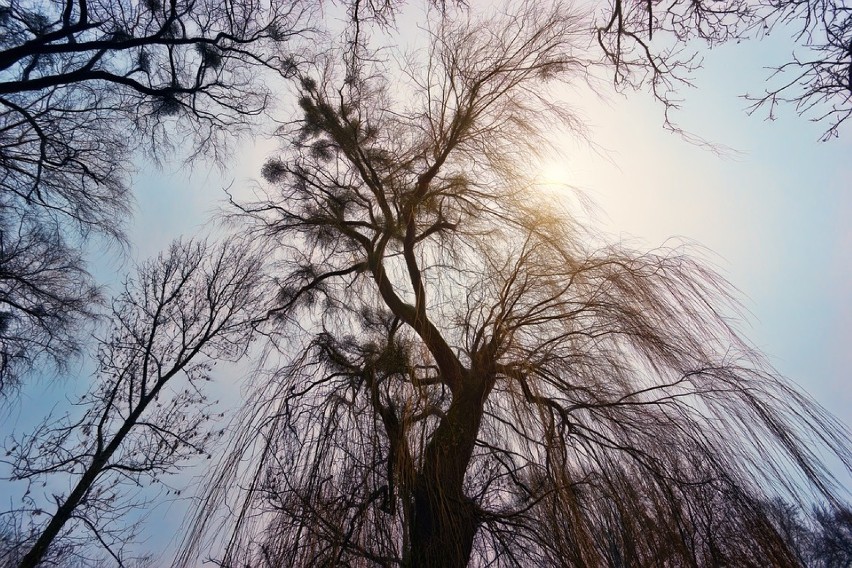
{"x": 445, "y": 520}
{"x": 63, "y": 513}
{"x": 444, "y": 527}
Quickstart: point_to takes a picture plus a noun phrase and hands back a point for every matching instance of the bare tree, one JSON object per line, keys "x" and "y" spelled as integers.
{"x": 13, "y": 546}
{"x": 45, "y": 297}
{"x": 77, "y": 77}
{"x": 817, "y": 81}
{"x": 147, "y": 411}
{"x": 832, "y": 541}
{"x": 472, "y": 377}
{"x": 822, "y": 537}
{"x": 82, "y": 86}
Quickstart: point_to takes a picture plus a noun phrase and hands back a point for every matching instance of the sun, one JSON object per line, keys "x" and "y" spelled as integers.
{"x": 553, "y": 174}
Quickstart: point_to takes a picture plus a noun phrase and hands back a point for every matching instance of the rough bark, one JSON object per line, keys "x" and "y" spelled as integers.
{"x": 445, "y": 519}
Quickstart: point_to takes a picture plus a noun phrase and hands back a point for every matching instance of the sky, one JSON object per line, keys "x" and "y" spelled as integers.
{"x": 773, "y": 215}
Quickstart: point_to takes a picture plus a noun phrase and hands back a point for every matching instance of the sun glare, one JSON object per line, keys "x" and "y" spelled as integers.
{"x": 553, "y": 175}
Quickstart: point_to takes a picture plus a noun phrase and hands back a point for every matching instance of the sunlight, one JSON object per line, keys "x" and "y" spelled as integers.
{"x": 553, "y": 175}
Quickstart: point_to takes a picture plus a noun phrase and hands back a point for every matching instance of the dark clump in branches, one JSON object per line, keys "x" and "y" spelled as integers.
{"x": 470, "y": 376}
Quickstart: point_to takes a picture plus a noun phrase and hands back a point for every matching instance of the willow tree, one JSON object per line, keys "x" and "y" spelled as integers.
{"x": 470, "y": 376}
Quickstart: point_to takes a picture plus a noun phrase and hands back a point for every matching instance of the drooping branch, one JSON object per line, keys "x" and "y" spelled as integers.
{"x": 817, "y": 81}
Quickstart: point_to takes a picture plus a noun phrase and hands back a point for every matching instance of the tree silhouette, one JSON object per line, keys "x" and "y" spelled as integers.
{"x": 77, "y": 77}
{"x": 83, "y": 85}
{"x": 832, "y": 541}
{"x": 821, "y": 538}
{"x": 45, "y": 297}
{"x": 471, "y": 377}
{"x": 147, "y": 411}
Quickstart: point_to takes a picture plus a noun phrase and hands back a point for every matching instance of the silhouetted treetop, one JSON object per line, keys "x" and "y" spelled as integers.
{"x": 469, "y": 375}
{"x": 83, "y": 85}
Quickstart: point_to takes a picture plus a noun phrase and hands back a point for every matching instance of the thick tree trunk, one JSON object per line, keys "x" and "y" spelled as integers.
{"x": 445, "y": 520}
{"x": 443, "y": 529}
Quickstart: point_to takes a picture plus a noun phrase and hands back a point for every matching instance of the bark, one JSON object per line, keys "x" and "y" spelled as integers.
{"x": 445, "y": 520}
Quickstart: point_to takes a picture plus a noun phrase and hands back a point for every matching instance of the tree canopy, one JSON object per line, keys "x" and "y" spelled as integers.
{"x": 477, "y": 379}
{"x": 83, "y": 86}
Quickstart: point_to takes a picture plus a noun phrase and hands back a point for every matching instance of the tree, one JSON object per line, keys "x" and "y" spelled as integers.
{"x": 817, "y": 80}
{"x": 821, "y": 538}
{"x": 471, "y": 376}
{"x": 832, "y": 544}
{"x": 77, "y": 76}
{"x": 82, "y": 86}
{"x": 793, "y": 527}
{"x": 147, "y": 411}
{"x": 45, "y": 297}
